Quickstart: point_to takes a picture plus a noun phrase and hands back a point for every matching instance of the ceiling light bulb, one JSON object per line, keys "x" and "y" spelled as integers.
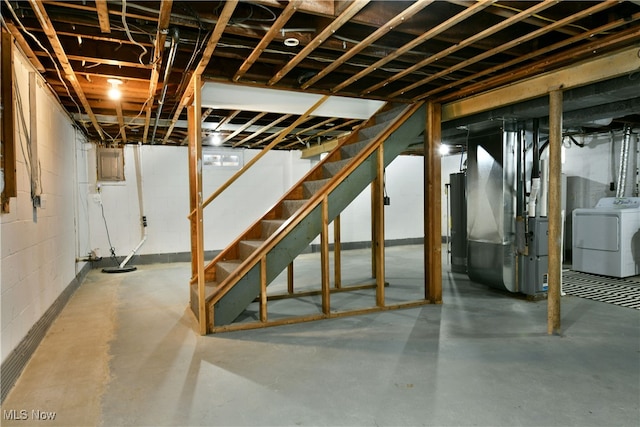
{"x": 444, "y": 149}
{"x": 291, "y": 42}
{"x": 114, "y": 93}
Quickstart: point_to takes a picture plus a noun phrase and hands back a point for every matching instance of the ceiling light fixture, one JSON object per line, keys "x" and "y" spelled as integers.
{"x": 444, "y": 149}
{"x": 291, "y": 42}
{"x": 114, "y": 93}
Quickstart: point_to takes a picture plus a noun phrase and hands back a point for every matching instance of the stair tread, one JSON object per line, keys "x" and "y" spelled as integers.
{"x": 209, "y": 288}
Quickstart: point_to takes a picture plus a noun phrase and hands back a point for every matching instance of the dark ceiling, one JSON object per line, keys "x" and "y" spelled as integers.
{"x": 386, "y": 50}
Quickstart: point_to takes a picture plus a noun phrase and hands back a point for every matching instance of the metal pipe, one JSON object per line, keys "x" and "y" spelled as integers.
{"x": 624, "y": 159}
{"x": 175, "y": 38}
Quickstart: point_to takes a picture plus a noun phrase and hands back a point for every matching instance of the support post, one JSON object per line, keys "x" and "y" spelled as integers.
{"x": 432, "y": 206}
{"x": 555, "y": 169}
{"x": 195, "y": 180}
{"x": 337, "y": 262}
{"x": 379, "y": 227}
{"x": 324, "y": 256}
{"x": 290, "y": 278}
{"x": 373, "y": 227}
{"x": 263, "y": 289}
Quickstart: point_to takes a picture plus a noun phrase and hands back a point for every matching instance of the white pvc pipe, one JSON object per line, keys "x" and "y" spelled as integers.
{"x": 141, "y": 203}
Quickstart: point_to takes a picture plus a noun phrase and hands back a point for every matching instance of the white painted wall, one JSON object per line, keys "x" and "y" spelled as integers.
{"x": 38, "y": 247}
{"x": 598, "y": 163}
{"x": 165, "y": 181}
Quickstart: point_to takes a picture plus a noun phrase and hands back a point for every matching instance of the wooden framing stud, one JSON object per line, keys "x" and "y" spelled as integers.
{"x": 290, "y": 278}
{"x": 555, "y": 244}
{"x": 324, "y": 257}
{"x": 379, "y": 227}
{"x": 432, "y": 208}
{"x": 337, "y": 261}
{"x": 263, "y": 289}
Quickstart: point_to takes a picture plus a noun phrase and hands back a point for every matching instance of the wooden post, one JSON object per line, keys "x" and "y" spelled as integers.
{"x": 195, "y": 181}
{"x": 8, "y": 146}
{"x": 324, "y": 256}
{"x": 263, "y": 289}
{"x": 290, "y": 278}
{"x": 555, "y": 169}
{"x": 379, "y": 231}
{"x": 337, "y": 264}
{"x": 432, "y": 208}
{"x": 373, "y": 227}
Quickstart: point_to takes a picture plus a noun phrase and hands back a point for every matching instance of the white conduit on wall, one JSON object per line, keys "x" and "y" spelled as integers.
{"x": 141, "y": 203}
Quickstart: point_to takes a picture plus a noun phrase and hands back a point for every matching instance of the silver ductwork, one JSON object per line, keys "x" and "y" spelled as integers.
{"x": 624, "y": 161}
{"x": 491, "y": 205}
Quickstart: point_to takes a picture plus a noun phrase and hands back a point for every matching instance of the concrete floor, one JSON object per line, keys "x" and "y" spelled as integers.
{"x": 125, "y": 352}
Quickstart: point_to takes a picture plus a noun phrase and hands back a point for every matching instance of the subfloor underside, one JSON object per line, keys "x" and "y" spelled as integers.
{"x": 125, "y": 351}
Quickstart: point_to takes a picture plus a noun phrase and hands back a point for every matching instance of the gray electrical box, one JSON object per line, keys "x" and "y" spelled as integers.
{"x": 110, "y": 164}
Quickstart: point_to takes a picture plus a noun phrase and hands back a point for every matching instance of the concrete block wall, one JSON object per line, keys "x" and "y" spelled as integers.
{"x": 38, "y": 246}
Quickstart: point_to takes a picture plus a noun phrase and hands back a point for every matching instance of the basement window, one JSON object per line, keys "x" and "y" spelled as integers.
{"x": 220, "y": 158}
{"x": 110, "y": 164}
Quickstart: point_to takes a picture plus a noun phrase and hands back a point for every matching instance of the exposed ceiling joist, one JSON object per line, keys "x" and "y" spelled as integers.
{"x": 602, "y": 68}
{"x": 70, "y": 75}
{"x": 225, "y": 16}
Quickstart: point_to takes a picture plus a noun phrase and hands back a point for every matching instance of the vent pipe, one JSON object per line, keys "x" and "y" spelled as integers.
{"x": 624, "y": 159}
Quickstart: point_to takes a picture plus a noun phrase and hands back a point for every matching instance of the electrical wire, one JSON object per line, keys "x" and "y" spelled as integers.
{"x": 126, "y": 29}
{"x": 55, "y": 64}
{"x": 112, "y": 250}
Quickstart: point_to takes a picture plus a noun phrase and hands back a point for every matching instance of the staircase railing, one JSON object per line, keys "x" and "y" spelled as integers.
{"x": 320, "y": 198}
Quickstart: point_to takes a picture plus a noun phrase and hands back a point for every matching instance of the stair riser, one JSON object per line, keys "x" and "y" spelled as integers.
{"x": 270, "y": 227}
{"x": 312, "y": 187}
{"x": 289, "y": 207}
{"x": 351, "y": 150}
{"x": 331, "y": 169}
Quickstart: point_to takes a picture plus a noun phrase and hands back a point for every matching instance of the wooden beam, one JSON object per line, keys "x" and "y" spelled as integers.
{"x": 123, "y": 132}
{"x": 263, "y": 129}
{"x": 337, "y": 254}
{"x": 24, "y": 46}
{"x": 279, "y": 23}
{"x": 601, "y": 68}
{"x": 264, "y": 151}
{"x": 244, "y": 127}
{"x": 537, "y": 7}
{"x": 290, "y": 278}
{"x": 49, "y": 30}
{"x": 369, "y": 40}
{"x": 349, "y": 12}
{"x": 324, "y": 257}
{"x": 8, "y": 134}
{"x": 158, "y": 50}
{"x": 379, "y": 226}
{"x": 472, "y": 10}
{"x": 433, "y": 208}
{"x": 508, "y": 45}
{"x": 537, "y": 53}
{"x": 103, "y": 16}
{"x": 195, "y": 156}
{"x": 318, "y": 149}
{"x": 555, "y": 235}
{"x": 263, "y": 289}
{"x": 223, "y": 20}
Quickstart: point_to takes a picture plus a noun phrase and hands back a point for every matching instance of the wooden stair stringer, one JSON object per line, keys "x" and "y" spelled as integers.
{"x": 299, "y": 229}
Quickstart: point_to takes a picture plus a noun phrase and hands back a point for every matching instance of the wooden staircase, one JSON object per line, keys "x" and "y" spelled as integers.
{"x": 241, "y": 271}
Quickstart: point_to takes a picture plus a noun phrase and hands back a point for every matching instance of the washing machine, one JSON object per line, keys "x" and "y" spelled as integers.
{"x": 606, "y": 238}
